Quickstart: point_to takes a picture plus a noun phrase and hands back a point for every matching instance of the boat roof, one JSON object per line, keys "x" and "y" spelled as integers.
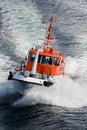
{"x": 46, "y": 53}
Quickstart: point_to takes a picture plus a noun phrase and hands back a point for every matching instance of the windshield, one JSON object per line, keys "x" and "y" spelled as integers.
{"x": 48, "y": 60}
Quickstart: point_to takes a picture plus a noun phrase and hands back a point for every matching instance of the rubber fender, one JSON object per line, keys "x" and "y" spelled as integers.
{"x": 47, "y": 84}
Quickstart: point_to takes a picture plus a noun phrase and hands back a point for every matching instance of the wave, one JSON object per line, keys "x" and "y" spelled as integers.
{"x": 21, "y": 24}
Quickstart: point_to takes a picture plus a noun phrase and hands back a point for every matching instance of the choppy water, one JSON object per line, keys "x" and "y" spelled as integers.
{"x": 64, "y": 105}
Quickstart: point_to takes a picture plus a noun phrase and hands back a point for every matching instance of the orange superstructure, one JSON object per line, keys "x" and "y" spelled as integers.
{"x": 49, "y": 61}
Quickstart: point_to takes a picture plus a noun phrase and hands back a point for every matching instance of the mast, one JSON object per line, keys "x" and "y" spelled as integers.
{"x": 49, "y": 36}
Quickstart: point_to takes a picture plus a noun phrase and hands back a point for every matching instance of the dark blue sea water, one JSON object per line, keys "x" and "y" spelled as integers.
{"x": 60, "y": 107}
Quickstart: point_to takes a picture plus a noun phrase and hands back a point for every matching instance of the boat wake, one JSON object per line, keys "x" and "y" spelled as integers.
{"x": 65, "y": 93}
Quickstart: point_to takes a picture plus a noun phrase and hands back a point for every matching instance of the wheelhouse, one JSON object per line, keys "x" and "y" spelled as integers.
{"x": 48, "y": 63}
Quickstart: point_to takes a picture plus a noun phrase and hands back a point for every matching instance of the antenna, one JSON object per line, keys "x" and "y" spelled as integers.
{"x": 49, "y": 36}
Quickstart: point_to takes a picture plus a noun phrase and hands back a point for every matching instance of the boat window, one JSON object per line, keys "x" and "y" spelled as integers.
{"x": 45, "y": 60}
{"x": 55, "y": 61}
{"x": 39, "y": 58}
{"x": 31, "y": 57}
{"x": 48, "y": 60}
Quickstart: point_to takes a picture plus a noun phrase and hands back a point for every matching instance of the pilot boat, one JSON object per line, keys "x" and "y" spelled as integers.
{"x": 41, "y": 67}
